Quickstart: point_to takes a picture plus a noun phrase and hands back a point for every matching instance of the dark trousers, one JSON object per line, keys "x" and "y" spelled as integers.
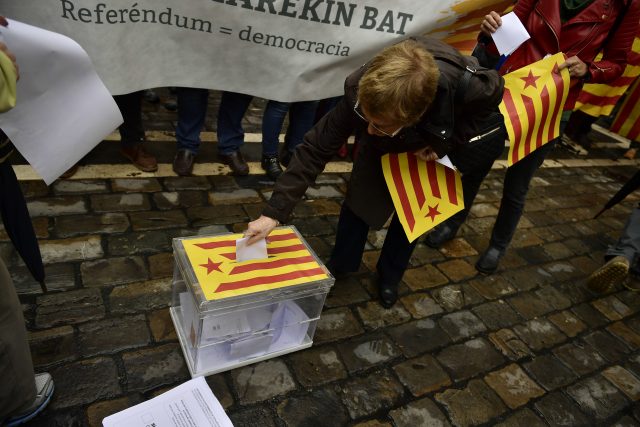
{"x": 131, "y": 130}
{"x": 351, "y": 238}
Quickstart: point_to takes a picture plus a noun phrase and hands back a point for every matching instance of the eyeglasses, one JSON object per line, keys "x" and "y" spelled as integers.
{"x": 359, "y": 114}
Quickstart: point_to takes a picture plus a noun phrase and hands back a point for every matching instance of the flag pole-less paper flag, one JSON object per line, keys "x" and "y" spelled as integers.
{"x": 532, "y": 104}
{"x": 213, "y": 260}
{"x": 424, "y": 193}
{"x": 627, "y": 121}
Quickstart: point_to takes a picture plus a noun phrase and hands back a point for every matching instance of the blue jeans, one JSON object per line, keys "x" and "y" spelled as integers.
{"x": 230, "y": 133}
{"x": 351, "y": 237}
{"x": 192, "y": 110}
{"x": 301, "y": 118}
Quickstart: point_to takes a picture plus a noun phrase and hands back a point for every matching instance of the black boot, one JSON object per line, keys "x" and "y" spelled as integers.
{"x": 388, "y": 293}
{"x": 271, "y": 165}
{"x": 439, "y": 236}
{"x": 489, "y": 260}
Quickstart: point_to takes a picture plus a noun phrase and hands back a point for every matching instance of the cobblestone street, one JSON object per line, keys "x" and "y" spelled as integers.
{"x": 527, "y": 346}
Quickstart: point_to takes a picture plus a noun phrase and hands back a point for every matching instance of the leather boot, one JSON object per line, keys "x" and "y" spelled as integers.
{"x": 271, "y": 165}
{"x": 388, "y": 293}
{"x": 439, "y": 236}
{"x": 489, "y": 260}
{"x": 236, "y": 163}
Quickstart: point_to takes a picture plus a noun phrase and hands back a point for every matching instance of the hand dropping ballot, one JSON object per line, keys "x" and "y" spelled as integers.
{"x": 190, "y": 404}
{"x": 246, "y": 252}
{"x": 510, "y": 35}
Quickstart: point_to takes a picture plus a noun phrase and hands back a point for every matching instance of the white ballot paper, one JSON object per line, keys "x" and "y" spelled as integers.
{"x": 63, "y": 109}
{"x": 446, "y": 161}
{"x": 510, "y": 34}
{"x": 191, "y": 404}
{"x": 258, "y": 250}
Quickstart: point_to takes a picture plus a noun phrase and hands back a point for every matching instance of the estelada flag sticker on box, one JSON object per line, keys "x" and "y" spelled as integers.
{"x": 213, "y": 260}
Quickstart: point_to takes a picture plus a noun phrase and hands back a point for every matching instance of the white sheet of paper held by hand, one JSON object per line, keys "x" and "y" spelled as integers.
{"x": 446, "y": 161}
{"x": 258, "y": 250}
{"x": 510, "y": 34}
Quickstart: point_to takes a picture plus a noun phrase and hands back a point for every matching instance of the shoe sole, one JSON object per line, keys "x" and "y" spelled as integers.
{"x": 35, "y": 413}
{"x": 607, "y": 277}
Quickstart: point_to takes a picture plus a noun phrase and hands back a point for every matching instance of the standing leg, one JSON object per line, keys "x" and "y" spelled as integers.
{"x": 272, "y": 121}
{"x": 229, "y": 129}
{"x": 351, "y": 236}
{"x": 192, "y": 110}
{"x": 132, "y": 133}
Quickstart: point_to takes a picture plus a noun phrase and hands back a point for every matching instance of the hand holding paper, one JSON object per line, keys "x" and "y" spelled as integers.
{"x": 510, "y": 34}
{"x": 245, "y": 252}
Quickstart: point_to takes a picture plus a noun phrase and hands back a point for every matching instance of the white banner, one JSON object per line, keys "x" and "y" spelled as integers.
{"x": 288, "y": 50}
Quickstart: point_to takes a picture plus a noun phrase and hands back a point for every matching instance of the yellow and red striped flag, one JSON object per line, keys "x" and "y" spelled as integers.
{"x": 424, "y": 193}
{"x": 598, "y": 99}
{"x": 627, "y": 121}
{"x": 532, "y": 104}
{"x": 213, "y": 260}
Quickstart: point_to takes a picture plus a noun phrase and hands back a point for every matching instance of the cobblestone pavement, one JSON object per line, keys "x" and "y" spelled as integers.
{"x": 526, "y": 346}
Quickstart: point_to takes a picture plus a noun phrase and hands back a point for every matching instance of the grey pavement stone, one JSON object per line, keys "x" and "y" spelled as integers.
{"x": 75, "y": 225}
{"x": 554, "y": 297}
{"x": 580, "y": 357}
{"x": 174, "y": 199}
{"x": 254, "y": 416}
{"x": 461, "y": 325}
{"x": 525, "y": 279}
{"x": 317, "y": 366}
{"x": 346, "y": 292}
{"x": 69, "y": 307}
{"x": 220, "y": 390}
{"x": 539, "y": 334}
{"x": 422, "y": 375}
{"x": 367, "y": 351}
{"x": 138, "y": 243}
{"x": 549, "y": 372}
{"x": 469, "y": 359}
{"x": 509, "y": 345}
{"x": 113, "y": 335}
{"x": 475, "y": 404}
{"x": 127, "y": 202}
{"x": 262, "y": 381}
{"x": 589, "y": 315}
{"x": 144, "y": 221}
{"x": 529, "y": 305}
{"x": 374, "y": 316}
{"x": 65, "y": 186}
{"x": 161, "y": 265}
{"x": 54, "y": 206}
{"x": 420, "y": 305}
{"x": 73, "y": 249}
{"x": 51, "y": 346}
{"x": 558, "y": 410}
{"x": 136, "y": 185}
{"x": 161, "y": 325}
{"x": 140, "y": 297}
{"x": 568, "y": 323}
{"x": 183, "y": 183}
{"x": 418, "y": 337}
{"x": 322, "y": 192}
{"x": 609, "y": 347}
{"x": 364, "y": 396}
{"x": 336, "y": 324}
{"x": 457, "y": 269}
{"x": 457, "y": 248}
{"x": 496, "y": 314}
{"x": 424, "y": 255}
{"x": 314, "y": 226}
{"x": 215, "y": 215}
{"x": 244, "y": 195}
{"x": 492, "y": 287}
{"x": 96, "y": 412}
{"x": 513, "y": 386}
{"x": 597, "y": 397}
{"x": 612, "y": 307}
{"x": 625, "y": 334}
{"x": 58, "y": 277}
{"x": 524, "y": 417}
{"x": 456, "y": 297}
{"x": 624, "y": 380}
{"x": 625, "y": 421}
{"x": 153, "y": 367}
{"x": 84, "y": 382}
{"x": 317, "y": 408}
{"x": 424, "y": 277}
{"x": 421, "y": 412}
{"x": 113, "y": 271}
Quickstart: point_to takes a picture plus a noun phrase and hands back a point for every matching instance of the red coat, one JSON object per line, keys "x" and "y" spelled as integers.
{"x": 583, "y": 36}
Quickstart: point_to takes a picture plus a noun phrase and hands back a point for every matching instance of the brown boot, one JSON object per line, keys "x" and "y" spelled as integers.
{"x": 630, "y": 153}
{"x": 140, "y": 158}
{"x": 236, "y": 162}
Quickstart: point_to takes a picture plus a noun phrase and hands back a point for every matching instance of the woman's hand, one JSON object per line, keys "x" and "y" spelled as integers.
{"x": 260, "y": 229}
{"x": 577, "y": 68}
{"x": 427, "y": 154}
{"x": 490, "y": 23}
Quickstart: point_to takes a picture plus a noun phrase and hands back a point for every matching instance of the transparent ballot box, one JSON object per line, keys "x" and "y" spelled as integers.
{"x": 229, "y": 314}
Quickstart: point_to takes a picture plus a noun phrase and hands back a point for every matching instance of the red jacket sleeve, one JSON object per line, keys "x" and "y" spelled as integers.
{"x": 618, "y": 47}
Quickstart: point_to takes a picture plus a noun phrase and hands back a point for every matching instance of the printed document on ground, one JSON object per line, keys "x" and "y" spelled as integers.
{"x": 191, "y": 404}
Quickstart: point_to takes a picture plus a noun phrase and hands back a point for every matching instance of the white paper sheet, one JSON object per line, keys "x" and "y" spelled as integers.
{"x": 63, "y": 109}
{"x": 446, "y": 161}
{"x": 258, "y": 250}
{"x": 510, "y": 34}
{"x": 189, "y": 404}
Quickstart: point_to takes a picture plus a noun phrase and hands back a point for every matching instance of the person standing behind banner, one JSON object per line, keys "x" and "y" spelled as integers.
{"x": 420, "y": 95}
{"x": 578, "y": 28}
{"x": 23, "y": 394}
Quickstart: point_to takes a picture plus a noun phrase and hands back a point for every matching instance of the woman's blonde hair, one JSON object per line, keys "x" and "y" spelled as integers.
{"x": 400, "y": 83}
